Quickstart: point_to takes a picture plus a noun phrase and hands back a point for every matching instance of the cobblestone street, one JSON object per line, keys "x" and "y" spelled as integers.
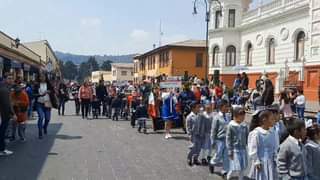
{"x": 77, "y": 149}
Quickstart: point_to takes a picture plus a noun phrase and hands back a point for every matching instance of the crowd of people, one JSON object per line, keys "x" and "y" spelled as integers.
{"x": 274, "y": 144}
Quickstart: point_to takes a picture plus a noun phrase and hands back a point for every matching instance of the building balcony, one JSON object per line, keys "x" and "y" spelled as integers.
{"x": 276, "y": 7}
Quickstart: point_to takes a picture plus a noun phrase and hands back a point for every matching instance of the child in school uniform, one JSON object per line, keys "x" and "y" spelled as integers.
{"x": 261, "y": 147}
{"x": 199, "y": 130}
{"x": 218, "y": 138}
{"x": 313, "y": 151}
{"x": 190, "y": 119}
{"x": 142, "y": 115}
{"x": 236, "y": 141}
{"x": 292, "y": 155}
{"x": 318, "y": 117}
{"x": 207, "y": 148}
{"x": 279, "y": 128}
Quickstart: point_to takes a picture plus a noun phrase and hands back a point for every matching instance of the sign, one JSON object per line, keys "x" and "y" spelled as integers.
{"x": 174, "y": 78}
{"x": 170, "y": 84}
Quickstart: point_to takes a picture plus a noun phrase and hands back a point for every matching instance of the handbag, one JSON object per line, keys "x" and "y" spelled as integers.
{"x": 54, "y": 101}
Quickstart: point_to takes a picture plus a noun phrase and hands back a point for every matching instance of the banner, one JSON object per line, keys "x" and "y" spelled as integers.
{"x": 170, "y": 84}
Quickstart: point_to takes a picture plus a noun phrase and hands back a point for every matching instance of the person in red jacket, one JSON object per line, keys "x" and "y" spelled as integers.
{"x": 85, "y": 96}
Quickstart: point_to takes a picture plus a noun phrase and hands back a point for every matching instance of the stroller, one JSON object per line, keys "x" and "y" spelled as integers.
{"x": 95, "y": 108}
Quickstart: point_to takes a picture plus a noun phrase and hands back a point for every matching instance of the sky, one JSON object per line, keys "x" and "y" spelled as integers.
{"x": 102, "y": 26}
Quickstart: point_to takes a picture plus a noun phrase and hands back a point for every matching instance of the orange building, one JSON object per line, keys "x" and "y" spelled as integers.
{"x": 173, "y": 60}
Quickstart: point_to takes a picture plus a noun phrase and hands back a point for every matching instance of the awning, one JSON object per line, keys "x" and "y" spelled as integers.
{"x": 15, "y": 64}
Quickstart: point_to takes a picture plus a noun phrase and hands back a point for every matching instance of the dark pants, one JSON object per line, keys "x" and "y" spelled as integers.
{"x": 3, "y": 129}
{"x": 85, "y": 103}
{"x": 196, "y": 148}
{"x": 116, "y": 113}
{"x": 300, "y": 112}
{"x": 77, "y": 105}
{"x": 62, "y": 103}
{"x": 44, "y": 113}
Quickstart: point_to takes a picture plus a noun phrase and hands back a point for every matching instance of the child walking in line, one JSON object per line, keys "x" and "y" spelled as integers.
{"x": 20, "y": 102}
{"x": 142, "y": 116}
{"x": 207, "y": 148}
{"x": 190, "y": 120}
{"x": 236, "y": 141}
{"x": 261, "y": 147}
{"x": 116, "y": 105}
{"x": 292, "y": 156}
{"x": 199, "y": 130}
{"x": 218, "y": 138}
{"x": 313, "y": 152}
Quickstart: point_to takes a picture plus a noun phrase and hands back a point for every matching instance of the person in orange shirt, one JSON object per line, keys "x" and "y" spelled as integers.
{"x": 85, "y": 96}
{"x": 20, "y": 103}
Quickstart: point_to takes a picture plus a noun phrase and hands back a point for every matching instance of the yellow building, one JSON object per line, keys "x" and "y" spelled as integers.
{"x": 48, "y": 57}
{"x": 173, "y": 60}
{"x": 17, "y": 58}
{"x": 96, "y": 76}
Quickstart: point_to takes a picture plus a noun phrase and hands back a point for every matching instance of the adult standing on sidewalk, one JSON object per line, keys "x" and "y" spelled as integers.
{"x": 85, "y": 95}
{"x": 75, "y": 93}
{"x": 101, "y": 93}
{"x": 6, "y": 111}
{"x": 300, "y": 103}
{"x": 44, "y": 90}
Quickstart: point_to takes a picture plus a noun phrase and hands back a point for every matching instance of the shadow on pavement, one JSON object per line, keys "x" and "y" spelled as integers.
{"x": 67, "y": 137}
{"x": 29, "y": 157}
{"x": 181, "y": 138}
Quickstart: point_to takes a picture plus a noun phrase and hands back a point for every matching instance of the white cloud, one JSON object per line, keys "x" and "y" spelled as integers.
{"x": 139, "y": 35}
{"x": 91, "y": 21}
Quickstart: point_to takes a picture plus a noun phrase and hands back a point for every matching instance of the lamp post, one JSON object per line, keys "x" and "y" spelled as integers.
{"x": 207, "y": 30}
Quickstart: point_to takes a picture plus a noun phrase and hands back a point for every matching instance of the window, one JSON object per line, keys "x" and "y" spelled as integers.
{"x": 215, "y": 56}
{"x": 232, "y": 18}
{"x": 271, "y": 51}
{"x": 300, "y": 45}
{"x": 199, "y": 59}
{"x": 231, "y": 56}
{"x": 153, "y": 62}
{"x": 114, "y": 72}
{"x": 249, "y": 54}
{"x": 132, "y": 73}
{"x": 218, "y": 19}
{"x": 167, "y": 59}
{"x": 123, "y": 73}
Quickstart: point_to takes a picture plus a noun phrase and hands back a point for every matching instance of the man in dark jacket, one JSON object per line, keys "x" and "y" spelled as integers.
{"x": 6, "y": 111}
{"x": 101, "y": 92}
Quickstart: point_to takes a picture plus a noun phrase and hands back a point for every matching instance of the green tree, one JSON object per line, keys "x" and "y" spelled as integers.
{"x": 84, "y": 71}
{"x": 71, "y": 70}
{"x": 106, "y": 65}
{"x": 93, "y": 64}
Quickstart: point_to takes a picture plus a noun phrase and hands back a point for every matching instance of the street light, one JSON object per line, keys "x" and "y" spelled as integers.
{"x": 207, "y": 29}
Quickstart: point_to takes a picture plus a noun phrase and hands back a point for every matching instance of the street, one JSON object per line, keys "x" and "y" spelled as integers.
{"x": 77, "y": 149}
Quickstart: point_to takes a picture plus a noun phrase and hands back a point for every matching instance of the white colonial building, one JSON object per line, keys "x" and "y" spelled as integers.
{"x": 280, "y": 38}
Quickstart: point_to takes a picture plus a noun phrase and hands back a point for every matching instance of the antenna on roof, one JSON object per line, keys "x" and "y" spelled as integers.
{"x": 161, "y": 34}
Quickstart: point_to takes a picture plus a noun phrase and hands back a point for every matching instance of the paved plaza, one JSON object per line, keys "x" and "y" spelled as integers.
{"x": 102, "y": 149}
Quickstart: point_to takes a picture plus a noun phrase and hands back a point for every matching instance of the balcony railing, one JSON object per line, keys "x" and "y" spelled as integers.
{"x": 272, "y": 6}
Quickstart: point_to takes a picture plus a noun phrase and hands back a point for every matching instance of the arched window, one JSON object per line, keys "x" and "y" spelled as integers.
{"x": 271, "y": 51}
{"x": 215, "y": 56}
{"x": 299, "y": 48}
{"x": 249, "y": 54}
{"x": 231, "y": 56}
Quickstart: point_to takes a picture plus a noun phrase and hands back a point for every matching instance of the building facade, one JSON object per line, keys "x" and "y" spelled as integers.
{"x": 122, "y": 72}
{"x": 18, "y": 59}
{"x": 280, "y": 38}
{"x": 48, "y": 57}
{"x": 173, "y": 60}
{"x": 96, "y": 76}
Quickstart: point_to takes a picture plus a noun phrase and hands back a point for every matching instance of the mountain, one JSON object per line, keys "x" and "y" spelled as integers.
{"x": 78, "y": 59}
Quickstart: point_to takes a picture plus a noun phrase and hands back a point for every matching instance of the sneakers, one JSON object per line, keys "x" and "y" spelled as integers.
{"x": 6, "y": 153}
{"x": 168, "y": 136}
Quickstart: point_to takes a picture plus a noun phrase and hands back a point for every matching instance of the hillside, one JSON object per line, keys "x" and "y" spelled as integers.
{"x": 78, "y": 59}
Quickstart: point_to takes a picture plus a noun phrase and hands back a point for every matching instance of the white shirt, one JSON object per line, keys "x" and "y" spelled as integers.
{"x": 42, "y": 91}
{"x": 300, "y": 100}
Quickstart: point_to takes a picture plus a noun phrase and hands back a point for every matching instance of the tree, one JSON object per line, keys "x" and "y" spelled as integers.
{"x": 84, "y": 71}
{"x": 93, "y": 64}
{"x": 70, "y": 70}
{"x": 106, "y": 65}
